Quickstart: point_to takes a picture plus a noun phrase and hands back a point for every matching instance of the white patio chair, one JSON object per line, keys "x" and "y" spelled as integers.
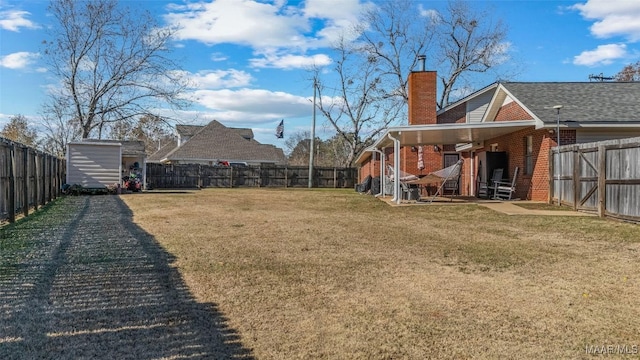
{"x": 503, "y": 190}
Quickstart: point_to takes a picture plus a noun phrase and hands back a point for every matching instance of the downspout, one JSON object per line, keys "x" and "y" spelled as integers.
{"x": 472, "y": 173}
{"x": 396, "y": 170}
{"x": 381, "y": 193}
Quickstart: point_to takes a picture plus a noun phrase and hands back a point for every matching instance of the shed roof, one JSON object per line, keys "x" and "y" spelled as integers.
{"x": 129, "y": 147}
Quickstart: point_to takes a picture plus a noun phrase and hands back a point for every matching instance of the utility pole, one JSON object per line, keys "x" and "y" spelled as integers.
{"x": 313, "y": 136}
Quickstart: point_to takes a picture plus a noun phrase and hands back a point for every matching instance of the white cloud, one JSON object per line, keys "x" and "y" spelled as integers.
{"x": 19, "y": 60}
{"x": 602, "y": 55}
{"x": 289, "y": 62}
{"x": 431, "y": 14}
{"x": 218, "y": 79}
{"x": 264, "y": 25}
{"x": 243, "y": 22}
{"x": 613, "y": 18}
{"x": 218, "y": 57}
{"x": 13, "y": 20}
{"x": 251, "y": 105}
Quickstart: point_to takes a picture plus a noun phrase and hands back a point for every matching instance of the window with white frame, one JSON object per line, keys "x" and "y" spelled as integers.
{"x": 528, "y": 155}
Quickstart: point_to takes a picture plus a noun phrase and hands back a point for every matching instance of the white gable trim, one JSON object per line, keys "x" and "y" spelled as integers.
{"x": 498, "y": 100}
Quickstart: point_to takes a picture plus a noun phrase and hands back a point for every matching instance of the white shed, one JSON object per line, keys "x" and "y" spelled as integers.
{"x": 100, "y": 163}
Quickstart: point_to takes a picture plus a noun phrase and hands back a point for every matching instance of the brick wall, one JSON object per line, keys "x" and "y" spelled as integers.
{"x": 409, "y": 160}
{"x": 456, "y": 115}
{"x": 372, "y": 167}
{"x": 422, "y": 97}
{"x": 567, "y": 137}
{"x": 512, "y": 111}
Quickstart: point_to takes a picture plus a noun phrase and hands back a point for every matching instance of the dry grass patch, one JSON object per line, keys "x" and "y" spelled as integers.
{"x": 334, "y": 274}
{"x": 541, "y": 206}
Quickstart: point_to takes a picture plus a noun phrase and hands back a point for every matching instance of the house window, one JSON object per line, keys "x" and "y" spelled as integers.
{"x": 528, "y": 155}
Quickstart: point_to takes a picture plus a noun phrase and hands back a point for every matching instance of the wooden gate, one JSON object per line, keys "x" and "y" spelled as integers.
{"x": 586, "y": 179}
{"x": 602, "y": 177}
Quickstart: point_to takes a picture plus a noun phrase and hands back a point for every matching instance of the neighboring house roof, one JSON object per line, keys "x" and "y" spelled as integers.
{"x": 188, "y": 130}
{"x": 581, "y": 101}
{"x": 244, "y": 132}
{"x": 162, "y": 152}
{"x": 217, "y": 142}
{"x": 129, "y": 147}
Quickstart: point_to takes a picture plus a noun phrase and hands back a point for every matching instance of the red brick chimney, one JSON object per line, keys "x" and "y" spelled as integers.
{"x": 422, "y": 96}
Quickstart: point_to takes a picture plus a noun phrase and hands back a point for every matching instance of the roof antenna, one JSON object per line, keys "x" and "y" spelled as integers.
{"x": 600, "y": 78}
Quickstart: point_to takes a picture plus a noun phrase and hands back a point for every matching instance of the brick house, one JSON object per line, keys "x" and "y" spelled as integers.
{"x": 515, "y": 120}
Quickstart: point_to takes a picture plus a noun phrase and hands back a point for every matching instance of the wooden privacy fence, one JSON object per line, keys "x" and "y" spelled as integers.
{"x": 28, "y": 179}
{"x": 161, "y": 176}
{"x": 602, "y": 177}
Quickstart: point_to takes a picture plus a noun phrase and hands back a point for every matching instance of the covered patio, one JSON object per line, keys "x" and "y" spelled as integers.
{"x": 467, "y": 137}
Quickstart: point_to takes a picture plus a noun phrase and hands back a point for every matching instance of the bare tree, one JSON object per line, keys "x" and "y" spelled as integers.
{"x": 468, "y": 42}
{"x": 358, "y": 108}
{"x": 112, "y": 62}
{"x": 153, "y": 131}
{"x": 367, "y": 90}
{"x": 18, "y": 130}
{"x": 395, "y": 35}
{"x": 630, "y": 72}
{"x": 59, "y": 127}
{"x": 333, "y": 152}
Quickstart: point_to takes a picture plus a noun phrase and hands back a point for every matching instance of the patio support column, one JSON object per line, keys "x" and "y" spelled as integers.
{"x": 381, "y": 193}
{"x": 397, "y": 197}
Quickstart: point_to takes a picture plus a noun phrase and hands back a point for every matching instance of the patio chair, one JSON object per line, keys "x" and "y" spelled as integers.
{"x": 410, "y": 191}
{"x": 485, "y": 186}
{"x": 503, "y": 190}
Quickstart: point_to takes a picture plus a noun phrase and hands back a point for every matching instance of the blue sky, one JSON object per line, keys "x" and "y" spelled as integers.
{"x": 249, "y": 67}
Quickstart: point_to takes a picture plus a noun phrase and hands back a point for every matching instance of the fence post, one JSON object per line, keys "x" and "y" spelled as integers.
{"x": 43, "y": 172}
{"x": 602, "y": 180}
{"x": 286, "y": 176}
{"x": 12, "y": 183}
{"x": 54, "y": 178}
{"x": 335, "y": 177}
{"x": 25, "y": 181}
{"x": 50, "y": 174}
{"x": 35, "y": 181}
{"x": 576, "y": 177}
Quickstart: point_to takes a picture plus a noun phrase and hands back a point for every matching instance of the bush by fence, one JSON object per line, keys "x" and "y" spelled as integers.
{"x": 29, "y": 178}
{"x": 161, "y": 176}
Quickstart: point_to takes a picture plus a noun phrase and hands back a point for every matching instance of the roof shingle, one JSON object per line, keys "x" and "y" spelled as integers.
{"x": 218, "y": 142}
{"x": 581, "y": 101}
